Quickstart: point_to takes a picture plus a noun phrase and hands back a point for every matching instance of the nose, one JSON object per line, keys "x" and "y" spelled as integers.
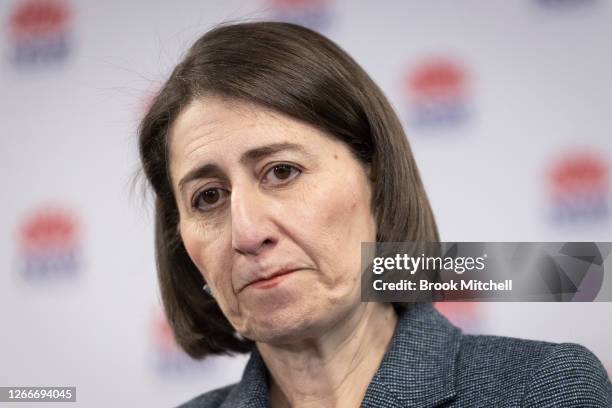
{"x": 252, "y": 228}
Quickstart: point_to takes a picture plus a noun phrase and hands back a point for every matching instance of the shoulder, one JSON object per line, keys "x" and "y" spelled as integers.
{"x": 209, "y": 399}
{"x": 494, "y": 352}
{"x": 532, "y": 373}
{"x": 572, "y": 375}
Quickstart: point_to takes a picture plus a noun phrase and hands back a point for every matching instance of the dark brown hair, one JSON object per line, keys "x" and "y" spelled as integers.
{"x": 299, "y": 73}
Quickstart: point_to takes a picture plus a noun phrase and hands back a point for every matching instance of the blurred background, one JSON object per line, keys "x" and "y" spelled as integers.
{"x": 507, "y": 106}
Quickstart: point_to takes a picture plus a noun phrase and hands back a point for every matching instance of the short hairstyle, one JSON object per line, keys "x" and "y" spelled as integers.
{"x": 304, "y": 75}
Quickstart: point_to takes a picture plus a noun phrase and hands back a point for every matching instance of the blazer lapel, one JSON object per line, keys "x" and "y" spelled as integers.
{"x": 418, "y": 369}
{"x": 252, "y": 390}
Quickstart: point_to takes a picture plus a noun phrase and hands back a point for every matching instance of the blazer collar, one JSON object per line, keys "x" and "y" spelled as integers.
{"x": 418, "y": 369}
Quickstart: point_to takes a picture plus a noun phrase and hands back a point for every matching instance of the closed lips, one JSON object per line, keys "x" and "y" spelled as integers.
{"x": 273, "y": 275}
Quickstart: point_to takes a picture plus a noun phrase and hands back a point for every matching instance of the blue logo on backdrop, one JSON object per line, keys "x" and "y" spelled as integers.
{"x": 39, "y": 32}
{"x": 437, "y": 93}
{"x": 314, "y": 14}
{"x": 579, "y": 188}
{"x": 49, "y": 246}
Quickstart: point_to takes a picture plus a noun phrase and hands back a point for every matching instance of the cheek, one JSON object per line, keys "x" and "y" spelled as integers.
{"x": 210, "y": 251}
{"x": 345, "y": 213}
{"x": 204, "y": 247}
{"x": 196, "y": 247}
{"x": 353, "y": 224}
{"x": 335, "y": 219}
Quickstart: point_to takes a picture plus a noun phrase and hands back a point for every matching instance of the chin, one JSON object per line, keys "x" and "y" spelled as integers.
{"x": 281, "y": 323}
{"x": 290, "y": 313}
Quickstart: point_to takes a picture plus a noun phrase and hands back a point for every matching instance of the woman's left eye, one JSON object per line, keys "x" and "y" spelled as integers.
{"x": 281, "y": 173}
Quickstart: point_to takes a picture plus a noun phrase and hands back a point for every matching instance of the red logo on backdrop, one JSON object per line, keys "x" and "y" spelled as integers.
{"x": 49, "y": 245}
{"x": 437, "y": 92}
{"x": 579, "y": 187}
{"x": 465, "y": 315}
{"x": 314, "y": 14}
{"x": 39, "y": 31}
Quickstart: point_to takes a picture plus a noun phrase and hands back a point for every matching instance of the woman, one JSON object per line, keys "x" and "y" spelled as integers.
{"x": 272, "y": 156}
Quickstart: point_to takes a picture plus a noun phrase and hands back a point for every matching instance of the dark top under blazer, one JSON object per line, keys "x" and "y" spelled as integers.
{"x": 430, "y": 363}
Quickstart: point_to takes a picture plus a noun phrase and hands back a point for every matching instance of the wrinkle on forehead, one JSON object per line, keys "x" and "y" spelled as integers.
{"x": 199, "y": 127}
{"x": 189, "y": 128}
{"x": 200, "y": 122}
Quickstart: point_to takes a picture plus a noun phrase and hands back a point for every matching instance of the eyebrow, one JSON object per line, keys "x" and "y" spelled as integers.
{"x": 250, "y": 156}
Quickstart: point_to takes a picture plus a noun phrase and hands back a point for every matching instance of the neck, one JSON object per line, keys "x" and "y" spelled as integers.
{"x": 335, "y": 368}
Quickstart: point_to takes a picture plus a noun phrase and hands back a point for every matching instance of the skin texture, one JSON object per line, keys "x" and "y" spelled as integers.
{"x": 303, "y": 204}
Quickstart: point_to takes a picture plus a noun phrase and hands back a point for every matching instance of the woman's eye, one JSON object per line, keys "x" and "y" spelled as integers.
{"x": 208, "y": 199}
{"x": 281, "y": 173}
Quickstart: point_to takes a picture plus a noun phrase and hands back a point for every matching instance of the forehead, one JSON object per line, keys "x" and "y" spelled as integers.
{"x": 216, "y": 129}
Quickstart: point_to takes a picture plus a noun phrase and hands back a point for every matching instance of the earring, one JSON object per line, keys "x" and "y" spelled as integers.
{"x": 207, "y": 289}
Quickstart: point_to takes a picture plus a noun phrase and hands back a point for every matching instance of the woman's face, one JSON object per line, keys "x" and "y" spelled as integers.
{"x": 263, "y": 195}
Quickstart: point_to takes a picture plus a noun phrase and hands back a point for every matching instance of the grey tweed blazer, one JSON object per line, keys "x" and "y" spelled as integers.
{"x": 430, "y": 363}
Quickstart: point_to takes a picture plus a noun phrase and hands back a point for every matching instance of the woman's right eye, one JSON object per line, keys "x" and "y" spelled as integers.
{"x": 209, "y": 199}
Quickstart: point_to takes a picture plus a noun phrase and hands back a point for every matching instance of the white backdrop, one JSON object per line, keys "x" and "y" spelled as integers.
{"x": 506, "y": 105}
